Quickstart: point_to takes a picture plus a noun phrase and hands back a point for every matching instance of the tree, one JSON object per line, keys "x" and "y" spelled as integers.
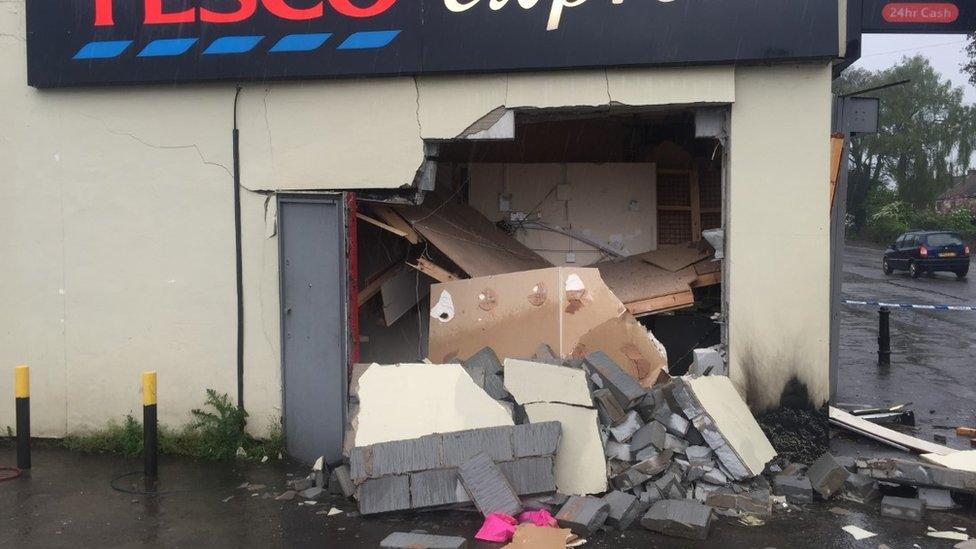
{"x": 970, "y": 67}
{"x": 926, "y": 137}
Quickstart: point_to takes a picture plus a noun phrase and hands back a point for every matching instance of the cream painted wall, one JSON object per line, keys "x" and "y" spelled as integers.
{"x": 117, "y": 224}
{"x": 778, "y": 236}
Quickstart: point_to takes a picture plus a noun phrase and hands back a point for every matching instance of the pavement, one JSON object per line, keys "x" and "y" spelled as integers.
{"x": 933, "y": 353}
{"x": 74, "y": 500}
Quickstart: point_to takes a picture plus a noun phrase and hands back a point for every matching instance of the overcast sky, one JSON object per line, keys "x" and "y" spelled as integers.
{"x": 946, "y": 53}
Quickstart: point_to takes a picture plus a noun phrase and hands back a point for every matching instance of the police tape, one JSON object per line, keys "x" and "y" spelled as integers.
{"x": 911, "y": 305}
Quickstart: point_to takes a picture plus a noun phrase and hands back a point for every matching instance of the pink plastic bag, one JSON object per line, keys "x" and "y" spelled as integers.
{"x": 539, "y": 518}
{"x": 498, "y": 527}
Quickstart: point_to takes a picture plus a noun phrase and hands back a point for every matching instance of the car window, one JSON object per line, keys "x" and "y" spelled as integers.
{"x": 943, "y": 239}
{"x": 909, "y": 241}
{"x": 898, "y": 242}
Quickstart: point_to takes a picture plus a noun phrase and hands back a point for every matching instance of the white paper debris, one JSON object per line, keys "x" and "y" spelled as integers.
{"x": 443, "y": 310}
{"x": 318, "y": 464}
{"x": 956, "y": 536}
{"x": 574, "y": 283}
{"x": 858, "y": 533}
{"x": 335, "y": 511}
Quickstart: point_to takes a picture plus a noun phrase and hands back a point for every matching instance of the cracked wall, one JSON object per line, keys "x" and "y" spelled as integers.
{"x": 117, "y": 222}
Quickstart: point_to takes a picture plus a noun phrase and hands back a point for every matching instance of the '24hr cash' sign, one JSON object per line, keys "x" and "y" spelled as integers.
{"x": 92, "y": 42}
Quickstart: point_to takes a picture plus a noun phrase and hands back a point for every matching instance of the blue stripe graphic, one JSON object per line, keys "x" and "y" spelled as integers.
{"x": 167, "y": 47}
{"x": 232, "y": 44}
{"x": 368, "y": 40}
{"x": 300, "y": 42}
{"x": 102, "y": 50}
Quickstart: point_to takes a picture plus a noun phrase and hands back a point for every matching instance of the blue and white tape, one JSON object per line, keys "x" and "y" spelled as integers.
{"x": 912, "y": 306}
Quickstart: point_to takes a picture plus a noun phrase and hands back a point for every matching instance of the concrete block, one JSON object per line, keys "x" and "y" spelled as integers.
{"x": 463, "y": 445}
{"x": 675, "y": 423}
{"x": 624, "y": 509}
{"x": 646, "y": 453}
{"x": 488, "y": 487}
{"x": 694, "y": 437}
{"x": 754, "y": 502}
{"x": 903, "y": 508}
{"x": 655, "y": 464}
{"x": 359, "y": 465}
{"x": 546, "y": 355}
{"x": 646, "y": 406}
{"x": 434, "y": 488}
{"x": 650, "y": 494}
{"x": 584, "y": 515}
{"x": 486, "y": 360}
{"x": 827, "y": 476}
{"x": 406, "y": 456}
{"x": 861, "y": 488}
{"x": 626, "y": 429}
{"x": 717, "y": 477}
{"x": 623, "y": 386}
{"x": 629, "y": 479}
{"x": 414, "y": 540}
{"x": 698, "y": 455}
{"x": 314, "y": 492}
{"x": 381, "y": 495}
{"x": 674, "y": 444}
{"x": 299, "y": 484}
{"x": 796, "y": 487}
{"x": 936, "y": 499}
{"x": 530, "y": 476}
{"x": 345, "y": 484}
{"x": 652, "y": 433}
{"x": 617, "y": 450}
{"x": 680, "y": 518}
{"x": 707, "y": 360}
{"x": 536, "y": 439}
{"x": 610, "y": 410}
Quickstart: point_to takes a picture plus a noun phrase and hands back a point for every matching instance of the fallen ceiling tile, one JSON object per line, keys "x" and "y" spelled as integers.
{"x": 537, "y": 382}
{"x": 581, "y": 466}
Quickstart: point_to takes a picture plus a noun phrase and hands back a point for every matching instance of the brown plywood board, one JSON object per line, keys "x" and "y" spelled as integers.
{"x": 678, "y": 256}
{"x": 635, "y": 280}
{"x": 569, "y": 309}
{"x": 469, "y": 239}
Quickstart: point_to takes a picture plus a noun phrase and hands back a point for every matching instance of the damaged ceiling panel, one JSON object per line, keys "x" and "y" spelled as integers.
{"x": 469, "y": 239}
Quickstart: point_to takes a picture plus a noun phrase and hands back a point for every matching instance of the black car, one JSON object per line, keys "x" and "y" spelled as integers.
{"x": 927, "y": 251}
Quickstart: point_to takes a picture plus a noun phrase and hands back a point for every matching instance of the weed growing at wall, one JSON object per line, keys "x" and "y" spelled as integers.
{"x": 216, "y": 432}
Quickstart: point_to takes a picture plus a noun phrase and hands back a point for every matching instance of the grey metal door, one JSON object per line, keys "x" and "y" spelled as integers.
{"x": 314, "y": 305}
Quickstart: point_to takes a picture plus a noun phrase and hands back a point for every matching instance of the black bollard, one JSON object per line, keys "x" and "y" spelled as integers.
{"x": 150, "y": 448}
{"x": 884, "y": 337}
{"x": 22, "y": 397}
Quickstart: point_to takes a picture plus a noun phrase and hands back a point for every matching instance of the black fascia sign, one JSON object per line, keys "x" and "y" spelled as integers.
{"x": 95, "y": 42}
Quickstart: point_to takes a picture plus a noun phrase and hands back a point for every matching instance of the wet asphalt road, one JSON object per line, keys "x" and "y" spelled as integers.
{"x": 933, "y": 353}
{"x": 67, "y": 501}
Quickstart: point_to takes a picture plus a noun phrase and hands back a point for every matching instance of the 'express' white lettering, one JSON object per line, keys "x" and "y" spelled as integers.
{"x": 555, "y": 11}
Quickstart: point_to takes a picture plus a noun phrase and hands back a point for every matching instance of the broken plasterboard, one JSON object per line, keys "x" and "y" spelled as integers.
{"x": 646, "y": 288}
{"x": 570, "y": 309}
{"x": 537, "y": 382}
{"x": 406, "y": 401}
{"x": 581, "y": 466}
{"x": 471, "y": 241}
{"x": 960, "y": 461}
{"x": 717, "y": 410}
{"x": 402, "y": 292}
{"x": 883, "y": 434}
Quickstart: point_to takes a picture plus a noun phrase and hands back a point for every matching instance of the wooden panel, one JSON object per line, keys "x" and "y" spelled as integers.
{"x": 393, "y": 219}
{"x": 662, "y": 304}
{"x": 469, "y": 239}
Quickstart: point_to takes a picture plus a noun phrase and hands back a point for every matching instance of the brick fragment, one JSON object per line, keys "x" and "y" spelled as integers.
{"x": 381, "y": 495}
{"x": 624, "y": 509}
{"x": 415, "y": 540}
{"x": 584, "y": 515}
{"x": 623, "y": 386}
{"x": 536, "y": 439}
{"x": 683, "y": 518}
{"x": 827, "y": 476}
{"x": 903, "y": 508}
{"x": 488, "y": 487}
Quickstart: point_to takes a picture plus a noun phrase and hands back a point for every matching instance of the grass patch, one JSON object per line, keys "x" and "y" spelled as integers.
{"x": 215, "y": 432}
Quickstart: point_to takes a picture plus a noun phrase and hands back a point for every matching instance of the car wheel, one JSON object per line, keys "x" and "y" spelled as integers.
{"x": 886, "y": 267}
{"x": 962, "y": 274}
{"x": 913, "y": 270}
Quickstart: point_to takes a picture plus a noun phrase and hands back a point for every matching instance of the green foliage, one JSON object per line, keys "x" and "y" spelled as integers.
{"x": 927, "y": 135}
{"x": 970, "y": 66}
{"x": 216, "y": 432}
{"x": 890, "y": 220}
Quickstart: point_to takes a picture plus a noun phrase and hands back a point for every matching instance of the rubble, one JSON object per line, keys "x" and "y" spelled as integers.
{"x": 488, "y": 488}
{"x": 903, "y": 508}
{"x": 624, "y": 509}
{"x": 936, "y": 499}
{"x": 827, "y": 476}
{"x": 413, "y": 540}
{"x": 861, "y": 488}
{"x": 914, "y": 473}
{"x": 680, "y": 518}
{"x": 796, "y": 487}
{"x": 584, "y": 515}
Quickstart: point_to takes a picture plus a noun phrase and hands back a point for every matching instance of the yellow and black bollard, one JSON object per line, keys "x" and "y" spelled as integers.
{"x": 22, "y": 396}
{"x": 149, "y": 443}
